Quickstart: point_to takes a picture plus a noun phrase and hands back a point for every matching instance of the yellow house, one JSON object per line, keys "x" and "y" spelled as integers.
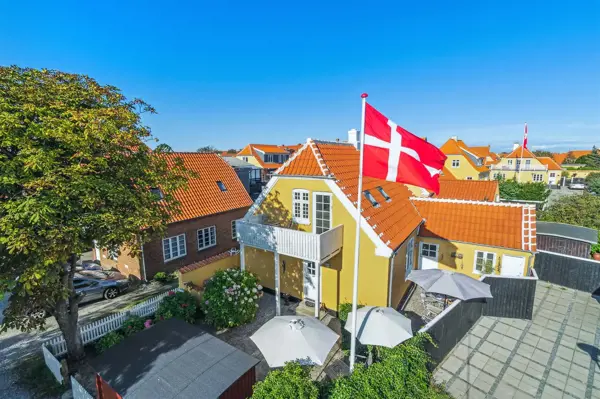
{"x": 523, "y": 166}
{"x": 266, "y": 156}
{"x": 465, "y": 163}
{"x": 299, "y": 236}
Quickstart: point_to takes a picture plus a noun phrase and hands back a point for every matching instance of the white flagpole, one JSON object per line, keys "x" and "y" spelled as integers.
{"x": 521, "y": 159}
{"x": 357, "y": 243}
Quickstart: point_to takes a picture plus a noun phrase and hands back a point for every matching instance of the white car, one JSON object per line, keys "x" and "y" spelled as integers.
{"x": 577, "y": 186}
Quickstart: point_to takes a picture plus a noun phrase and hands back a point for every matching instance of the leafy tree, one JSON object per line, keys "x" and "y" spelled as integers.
{"x": 513, "y": 190}
{"x": 589, "y": 160}
{"x": 74, "y": 167}
{"x": 293, "y": 381}
{"x": 570, "y": 158}
{"x": 163, "y": 148}
{"x": 207, "y": 148}
{"x": 593, "y": 182}
{"x": 580, "y": 210}
{"x": 232, "y": 151}
{"x": 594, "y": 150}
{"x": 542, "y": 153}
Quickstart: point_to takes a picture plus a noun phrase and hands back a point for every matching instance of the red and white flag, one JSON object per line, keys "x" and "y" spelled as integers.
{"x": 393, "y": 153}
{"x": 525, "y": 137}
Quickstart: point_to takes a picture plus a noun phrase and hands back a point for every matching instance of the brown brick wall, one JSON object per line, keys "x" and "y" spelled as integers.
{"x": 125, "y": 263}
{"x": 153, "y": 251}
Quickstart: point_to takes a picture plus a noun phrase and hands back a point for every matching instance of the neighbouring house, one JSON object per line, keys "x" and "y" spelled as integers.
{"x": 175, "y": 359}
{"x": 566, "y": 239}
{"x": 485, "y": 152}
{"x": 250, "y": 175}
{"x": 560, "y": 158}
{"x": 521, "y": 165}
{"x": 266, "y": 156}
{"x": 554, "y": 170}
{"x": 213, "y": 200}
{"x": 299, "y": 236}
{"x": 463, "y": 162}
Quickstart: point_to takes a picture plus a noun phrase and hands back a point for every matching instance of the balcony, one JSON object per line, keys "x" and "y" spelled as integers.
{"x": 528, "y": 168}
{"x": 298, "y": 244}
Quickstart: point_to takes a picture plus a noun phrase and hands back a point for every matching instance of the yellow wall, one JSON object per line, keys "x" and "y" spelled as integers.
{"x": 251, "y": 159}
{"x": 578, "y": 173}
{"x": 337, "y": 275}
{"x": 399, "y": 283}
{"x": 464, "y": 169}
{"x": 466, "y": 265}
{"x": 524, "y": 176}
{"x": 198, "y": 276}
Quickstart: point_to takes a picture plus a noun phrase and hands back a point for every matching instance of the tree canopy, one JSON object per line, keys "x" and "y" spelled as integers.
{"x": 74, "y": 167}
{"x": 207, "y": 148}
{"x": 593, "y": 182}
{"x": 579, "y": 210}
{"x": 513, "y": 190}
{"x": 542, "y": 153}
{"x": 163, "y": 148}
{"x": 590, "y": 160}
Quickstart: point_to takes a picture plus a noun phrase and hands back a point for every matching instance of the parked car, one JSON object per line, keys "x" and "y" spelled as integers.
{"x": 96, "y": 284}
{"x": 577, "y": 185}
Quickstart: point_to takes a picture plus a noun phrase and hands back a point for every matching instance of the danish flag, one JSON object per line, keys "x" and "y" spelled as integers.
{"x": 525, "y": 137}
{"x": 393, "y": 153}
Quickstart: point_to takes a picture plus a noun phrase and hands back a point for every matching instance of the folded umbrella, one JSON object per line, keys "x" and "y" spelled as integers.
{"x": 380, "y": 326}
{"x": 449, "y": 283}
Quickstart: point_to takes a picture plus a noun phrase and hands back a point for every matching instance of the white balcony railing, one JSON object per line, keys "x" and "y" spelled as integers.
{"x": 298, "y": 244}
{"x": 534, "y": 168}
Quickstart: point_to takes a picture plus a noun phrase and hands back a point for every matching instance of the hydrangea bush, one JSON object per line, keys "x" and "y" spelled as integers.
{"x": 231, "y": 298}
{"x": 181, "y": 305}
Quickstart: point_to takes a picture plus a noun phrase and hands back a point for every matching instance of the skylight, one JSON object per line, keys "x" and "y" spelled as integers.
{"x": 371, "y": 199}
{"x": 157, "y": 192}
{"x": 384, "y": 194}
{"x": 221, "y": 185}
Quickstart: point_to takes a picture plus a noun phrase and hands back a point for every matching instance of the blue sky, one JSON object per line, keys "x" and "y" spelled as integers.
{"x": 227, "y": 73}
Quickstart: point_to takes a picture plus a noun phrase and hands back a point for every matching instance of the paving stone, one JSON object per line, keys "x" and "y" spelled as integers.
{"x": 508, "y": 343}
{"x": 529, "y": 385}
{"x": 501, "y": 328}
{"x": 458, "y": 388}
{"x": 484, "y": 382}
{"x": 479, "y": 331}
{"x": 581, "y": 359}
{"x": 461, "y": 352}
{"x": 501, "y": 354}
{"x": 578, "y": 373}
{"x": 504, "y": 390}
{"x": 479, "y": 360}
{"x": 471, "y": 341}
{"x": 474, "y": 393}
{"x": 553, "y": 325}
{"x": 565, "y": 352}
{"x": 550, "y": 335}
{"x": 536, "y": 330}
{"x": 586, "y": 337}
{"x": 514, "y": 332}
{"x": 487, "y": 348}
{"x": 494, "y": 338}
{"x": 557, "y": 379}
{"x": 519, "y": 323}
{"x": 575, "y": 389}
{"x": 551, "y": 393}
{"x": 561, "y": 366}
{"x": 470, "y": 374}
{"x": 540, "y": 356}
{"x": 571, "y": 331}
{"x": 545, "y": 345}
{"x": 452, "y": 364}
{"x": 525, "y": 350}
{"x": 493, "y": 367}
{"x": 591, "y": 328}
{"x": 535, "y": 369}
{"x": 531, "y": 339}
{"x": 486, "y": 322}
{"x": 441, "y": 376}
{"x": 522, "y": 395}
{"x": 595, "y": 393}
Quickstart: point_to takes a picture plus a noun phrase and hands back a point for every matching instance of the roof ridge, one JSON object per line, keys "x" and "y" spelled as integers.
{"x": 290, "y": 159}
{"x": 332, "y": 142}
{"x": 457, "y": 201}
{"x": 319, "y": 157}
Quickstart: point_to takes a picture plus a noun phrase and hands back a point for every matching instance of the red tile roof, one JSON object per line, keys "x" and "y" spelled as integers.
{"x": 552, "y": 165}
{"x": 207, "y": 261}
{"x": 203, "y": 196}
{"x": 447, "y": 175}
{"x": 471, "y": 190}
{"x": 488, "y": 223}
{"x": 516, "y": 153}
{"x": 560, "y": 157}
{"x": 458, "y": 147}
{"x": 393, "y": 221}
{"x": 250, "y": 150}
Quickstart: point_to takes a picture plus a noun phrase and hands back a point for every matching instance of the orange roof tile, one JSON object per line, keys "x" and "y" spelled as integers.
{"x": 472, "y": 190}
{"x": 550, "y": 163}
{"x": 203, "y": 196}
{"x": 488, "y": 223}
{"x": 207, "y": 261}
{"x": 393, "y": 221}
{"x": 250, "y": 149}
{"x": 447, "y": 175}
{"x": 560, "y": 157}
{"x": 516, "y": 153}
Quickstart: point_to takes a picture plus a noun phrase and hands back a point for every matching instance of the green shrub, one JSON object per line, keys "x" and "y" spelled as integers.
{"x": 109, "y": 340}
{"x": 132, "y": 325}
{"x": 181, "y": 305}
{"x": 163, "y": 277}
{"x": 399, "y": 372}
{"x": 344, "y": 310}
{"x": 293, "y": 381}
{"x": 231, "y": 298}
{"x": 595, "y": 249}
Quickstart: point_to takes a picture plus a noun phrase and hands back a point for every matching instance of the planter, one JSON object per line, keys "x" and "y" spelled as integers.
{"x": 596, "y": 256}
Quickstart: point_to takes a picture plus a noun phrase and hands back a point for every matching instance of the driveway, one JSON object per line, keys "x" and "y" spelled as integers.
{"x": 554, "y": 356}
{"x": 556, "y": 194}
{"x": 15, "y": 345}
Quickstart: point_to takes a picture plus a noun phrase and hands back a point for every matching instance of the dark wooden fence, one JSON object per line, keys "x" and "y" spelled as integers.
{"x": 578, "y": 273}
{"x": 513, "y": 297}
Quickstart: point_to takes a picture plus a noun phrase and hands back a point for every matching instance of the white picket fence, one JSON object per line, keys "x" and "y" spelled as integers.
{"x": 92, "y": 331}
{"x": 79, "y": 391}
{"x": 53, "y": 364}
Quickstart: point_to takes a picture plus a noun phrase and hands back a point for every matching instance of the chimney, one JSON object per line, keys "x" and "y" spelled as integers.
{"x": 337, "y": 140}
{"x": 353, "y": 137}
{"x": 515, "y": 146}
{"x": 455, "y": 138}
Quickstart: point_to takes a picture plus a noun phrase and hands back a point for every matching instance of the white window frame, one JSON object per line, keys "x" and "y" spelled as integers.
{"x": 304, "y": 206}
{"x": 527, "y": 162}
{"x": 233, "y": 230}
{"x": 456, "y": 163}
{"x": 207, "y": 230}
{"x": 485, "y": 254}
{"x": 174, "y": 243}
{"x": 537, "y": 177}
{"x": 315, "y": 210}
{"x": 510, "y": 162}
{"x": 429, "y": 249}
{"x": 552, "y": 174}
{"x": 469, "y": 178}
{"x": 410, "y": 257}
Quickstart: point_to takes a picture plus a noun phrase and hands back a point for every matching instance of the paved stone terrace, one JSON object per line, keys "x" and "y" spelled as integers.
{"x": 554, "y": 356}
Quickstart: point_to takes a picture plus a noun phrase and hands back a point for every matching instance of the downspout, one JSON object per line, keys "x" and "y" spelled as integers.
{"x": 391, "y": 278}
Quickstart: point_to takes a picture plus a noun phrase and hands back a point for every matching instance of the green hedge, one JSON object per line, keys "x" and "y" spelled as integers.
{"x": 293, "y": 381}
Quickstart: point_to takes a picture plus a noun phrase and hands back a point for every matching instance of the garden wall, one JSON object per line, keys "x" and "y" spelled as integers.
{"x": 569, "y": 271}
{"x": 198, "y": 273}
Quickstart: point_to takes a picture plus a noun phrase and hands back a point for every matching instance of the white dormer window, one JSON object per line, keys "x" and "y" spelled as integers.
{"x": 455, "y": 163}
{"x": 300, "y": 206}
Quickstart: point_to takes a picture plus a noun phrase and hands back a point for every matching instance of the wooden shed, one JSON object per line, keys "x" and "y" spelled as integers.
{"x": 565, "y": 239}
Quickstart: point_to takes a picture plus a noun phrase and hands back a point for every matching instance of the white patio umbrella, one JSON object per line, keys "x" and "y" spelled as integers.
{"x": 294, "y": 338}
{"x": 380, "y": 326}
{"x": 449, "y": 283}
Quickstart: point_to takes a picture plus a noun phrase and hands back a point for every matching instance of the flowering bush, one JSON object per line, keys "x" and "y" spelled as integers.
{"x": 110, "y": 339}
{"x": 181, "y": 305}
{"x": 231, "y": 298}
{"x": 132, "y": 325}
